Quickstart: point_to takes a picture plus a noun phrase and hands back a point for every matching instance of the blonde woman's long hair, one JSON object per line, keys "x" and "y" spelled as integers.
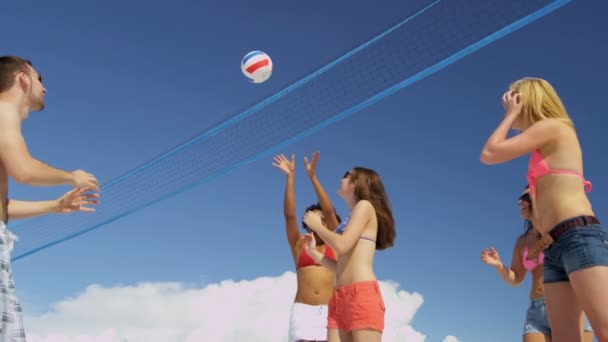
{"x": 540, "y": 101}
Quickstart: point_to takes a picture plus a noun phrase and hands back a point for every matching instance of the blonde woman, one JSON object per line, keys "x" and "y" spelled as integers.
{"x": 576, "y": 261}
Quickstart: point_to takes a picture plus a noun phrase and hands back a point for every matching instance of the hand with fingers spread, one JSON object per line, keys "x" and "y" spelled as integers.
{"x": 311, "y": 167}
{"x": 83, "y": 179}
{"x": 77, "y": 200}
{"x": 490, "y": 257}
{"x": 285, "y": 165}
{"x": 512, "y": 103}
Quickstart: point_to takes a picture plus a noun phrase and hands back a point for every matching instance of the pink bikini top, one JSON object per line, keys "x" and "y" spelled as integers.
{"x": 531, "y": 264}
{"x": 537, "y": 167}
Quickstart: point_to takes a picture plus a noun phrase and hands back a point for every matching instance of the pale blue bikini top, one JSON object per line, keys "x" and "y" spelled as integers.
{"x": 342, "y": 226}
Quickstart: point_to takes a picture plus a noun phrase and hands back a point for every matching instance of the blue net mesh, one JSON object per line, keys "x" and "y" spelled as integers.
{"x": 423, "y": 43}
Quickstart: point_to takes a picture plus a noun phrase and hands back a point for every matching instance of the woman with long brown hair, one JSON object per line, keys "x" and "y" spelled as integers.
{"x": 356, "y": 308}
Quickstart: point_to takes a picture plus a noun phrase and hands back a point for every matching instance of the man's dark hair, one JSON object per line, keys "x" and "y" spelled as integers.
{"x": 9, "y": 66}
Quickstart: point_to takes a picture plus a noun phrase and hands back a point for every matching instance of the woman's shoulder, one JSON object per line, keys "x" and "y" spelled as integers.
{"x": 364, "y": 205}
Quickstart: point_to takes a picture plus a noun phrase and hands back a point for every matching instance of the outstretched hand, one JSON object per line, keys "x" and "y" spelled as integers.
{"x": 311, "y": 167}
{"x": 83, "y": 179}
{"x": 285, "y": 165}
{"x": 490, "y": 257}
{"x": 77, "y": 200}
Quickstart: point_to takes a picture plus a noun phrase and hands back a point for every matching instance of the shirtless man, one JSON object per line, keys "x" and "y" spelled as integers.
{"x": 21, "y": 91}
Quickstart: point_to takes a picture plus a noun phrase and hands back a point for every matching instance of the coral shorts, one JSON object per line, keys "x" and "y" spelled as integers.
{"x": 357, "y": 306}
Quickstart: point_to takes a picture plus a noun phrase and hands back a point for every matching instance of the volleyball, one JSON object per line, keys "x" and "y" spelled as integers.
{"x": 256, "y": 66}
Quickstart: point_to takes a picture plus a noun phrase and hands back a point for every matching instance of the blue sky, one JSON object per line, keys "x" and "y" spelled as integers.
{"x": 129, "y": 81}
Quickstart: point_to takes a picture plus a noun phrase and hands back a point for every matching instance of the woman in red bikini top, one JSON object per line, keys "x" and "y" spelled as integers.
{"x": 315, "y": 283}
{"x": 575, "y": 267}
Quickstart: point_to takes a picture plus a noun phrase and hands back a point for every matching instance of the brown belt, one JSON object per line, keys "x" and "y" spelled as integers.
{"x": 580, "y": 221}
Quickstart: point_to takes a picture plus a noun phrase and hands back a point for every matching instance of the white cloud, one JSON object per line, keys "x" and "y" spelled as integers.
{"x": 256, "y": 310}
{"x": 451, "y": 338}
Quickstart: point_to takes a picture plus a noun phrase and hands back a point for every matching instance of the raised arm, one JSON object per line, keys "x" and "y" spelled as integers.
{"x": 361, "y": 214}
{"x": 498, "y": 149}
{"x": 24, "y": 169}
{"x": 328, "y": 209}
{"x": 289, "y": 200}
{"x": 513, "y": 275}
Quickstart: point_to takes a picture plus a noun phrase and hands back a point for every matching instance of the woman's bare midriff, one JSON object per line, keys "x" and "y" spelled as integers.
{"x": 315, "y": 285}
{"x": 559, "y": 200}
{"x": 357, "y": 265}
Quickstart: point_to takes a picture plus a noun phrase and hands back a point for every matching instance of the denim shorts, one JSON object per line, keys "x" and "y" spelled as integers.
{"x": 536, "y": 318}
{"x": 537, "y": 321}
{"x": 578, "y": 248}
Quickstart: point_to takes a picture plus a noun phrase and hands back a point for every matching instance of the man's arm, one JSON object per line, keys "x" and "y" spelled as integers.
{"x": 20, "y": 165}
{"x": 75, "y": 200}
{"x": 26, "y": 209}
